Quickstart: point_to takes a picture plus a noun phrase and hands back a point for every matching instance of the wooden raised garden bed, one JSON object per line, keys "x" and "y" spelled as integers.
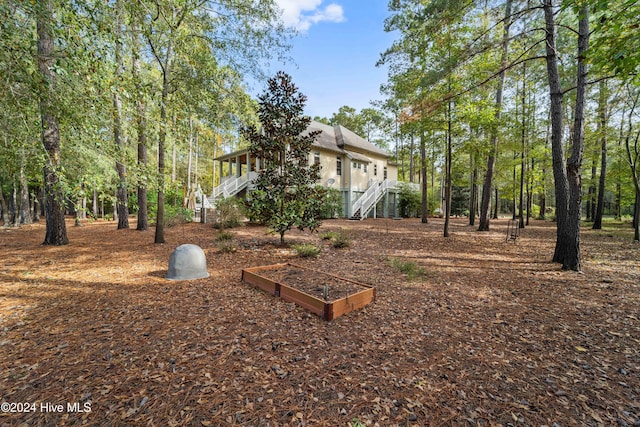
{"x": 326, "y": 295}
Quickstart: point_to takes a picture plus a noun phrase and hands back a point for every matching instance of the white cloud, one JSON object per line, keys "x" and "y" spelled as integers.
{"x": 301, "y": 14}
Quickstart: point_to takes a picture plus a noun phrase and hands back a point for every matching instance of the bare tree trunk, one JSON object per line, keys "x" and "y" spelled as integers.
{"x": 173, "y": 155}
{"x": 190, "y": 154}
{"x": 25, "y": 207}
{"x": 557, "y": 145}
{"x": 447, "y": 189}
{"x": 591, "y": 192}
{"x": 56, "y": 230}
{"x": 5, "y": 208}
{"x": 496, "y": 209}
{"x": 94, "y": 205}
{"x": 485, "y": 206}
{"x": 523, "y": 136}
{"x": 602, "y": 113}
{"x": 13, "y": 205}
{"x": 159, "y": 234}
{"x": 411, "y": 161}
{"x": 530, "y": 192}
{"x": 141, "y": 127}
{"x": 572, "y": 259}
{"x": 423, "y": 172}
{"x": 122, "y": 199}
{"x": 473, "y": 194}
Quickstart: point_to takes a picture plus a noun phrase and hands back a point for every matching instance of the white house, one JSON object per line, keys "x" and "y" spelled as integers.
{"x": 361, "y": 171}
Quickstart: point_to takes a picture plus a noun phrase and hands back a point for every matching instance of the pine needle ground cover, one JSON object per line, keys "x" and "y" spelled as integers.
{"x": 491, "y": 334}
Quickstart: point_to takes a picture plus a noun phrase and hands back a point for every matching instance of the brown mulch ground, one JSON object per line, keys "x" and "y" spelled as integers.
{"x": 491, "y": 334}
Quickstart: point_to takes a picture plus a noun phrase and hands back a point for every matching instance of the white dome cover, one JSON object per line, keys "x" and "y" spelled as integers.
{"x": 187, "y": 262}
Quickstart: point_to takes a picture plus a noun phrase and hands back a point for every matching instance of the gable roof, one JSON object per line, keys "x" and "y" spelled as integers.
{"x": 349, "y": 140}
{"x": 340, "y": 139}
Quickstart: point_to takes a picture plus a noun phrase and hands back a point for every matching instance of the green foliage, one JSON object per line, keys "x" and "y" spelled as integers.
{"x": 176, "y": 215}
{"x": 227, "y": 246}
{"x": 332, "y": 205}
{"x": 228, "y": 213}
{"x": 328, "y": 235}
{"x": 307, "y": 250}
{"x": 409, "y": 268}
{"x": 286, "y": 195}
{"x": 409, "y": 201}
{"x": 341, "y": 239}
{"x": 224, "y": 236}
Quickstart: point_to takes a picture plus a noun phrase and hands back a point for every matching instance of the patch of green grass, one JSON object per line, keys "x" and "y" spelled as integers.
{"x": 307, "y": 250}
{"x": 328, "y": 235}
{"x": 411, "y": 269}
{"x": 227, "y": 246}
{"x": 341, "y": 240}
{"x": 224, "y": 236}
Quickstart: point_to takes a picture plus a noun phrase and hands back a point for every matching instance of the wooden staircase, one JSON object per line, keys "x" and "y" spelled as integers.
{"x": 376, "y": 191}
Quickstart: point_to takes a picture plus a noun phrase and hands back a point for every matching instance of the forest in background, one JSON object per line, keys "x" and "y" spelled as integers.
{"x": 466, "y": 109}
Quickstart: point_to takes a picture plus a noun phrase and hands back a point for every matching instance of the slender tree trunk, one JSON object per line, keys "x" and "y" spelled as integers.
{"x": 602, "y": 113}
{"x": 159, "y": 234}
{"x": 36, "y": 206}
{"x": 557, "y": 144}
{"x": 174, "y": 160}
{"x": 141, "y": 127}
{"x": 5, "y": 208}
{"x": 190, "y": 154}
{"x": 447, "y": 189}
{"x": 591, "y": 193}
{"x": 633, "y": 159}
{"x": 515, "y": 189}
{"x": 13, "y": 204}
{"x": 485, "y": 206}
{"x": 523, "y": 143}
{"x": 423, "y": 172}
{"x": 94, "y": 204}
{"x": 473, "y": 194}
{"x": 572, "y": 258}
{"x": 496, "y": 209}
{"x": 25, "y": 207}
{"x": 530, "y": 191}
{"x": 56, "y": 230}
{"x": 411, "y": 160}
{"x": 122, "y": 199}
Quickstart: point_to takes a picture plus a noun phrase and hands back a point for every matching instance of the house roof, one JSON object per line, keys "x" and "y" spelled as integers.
{"x": 349, "y": 140}
{"x": 337, "y": 139}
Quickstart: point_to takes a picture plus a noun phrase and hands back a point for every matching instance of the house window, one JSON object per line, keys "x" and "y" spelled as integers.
{"x": 384, "y": 173}
{"x": 365, "y": 168}
{"x": 338, "y": 166}
{"x": 355, "y": 165}
{"x": 359, "y": 165}
{"x": 375, "y": 170}
{"x": 316, "y": 158}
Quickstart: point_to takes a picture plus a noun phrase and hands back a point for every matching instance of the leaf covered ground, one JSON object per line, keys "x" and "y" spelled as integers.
{"x": 481, "y": 332}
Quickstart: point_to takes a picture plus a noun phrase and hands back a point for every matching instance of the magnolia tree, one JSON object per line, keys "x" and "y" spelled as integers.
{"x": 286, "y": 194}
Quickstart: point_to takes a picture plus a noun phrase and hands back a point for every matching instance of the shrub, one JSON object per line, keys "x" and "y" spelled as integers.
{"x": 332, "y": 205}
{"x": 228, "y": 213}
{"x": 409, "y": 201}
{"x": 224, "y": 236}
{"x": 328, "y": 235}
{"x": 307, "y": 250}
{"x": 227, "y": 246}
{"x": 410, "y": 268}
{"x": 341, "y": 240}
{"x": 176, "y": 215}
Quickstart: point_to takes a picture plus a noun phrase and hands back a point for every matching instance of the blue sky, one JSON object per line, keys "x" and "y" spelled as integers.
{"x": 336, "y": 52}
